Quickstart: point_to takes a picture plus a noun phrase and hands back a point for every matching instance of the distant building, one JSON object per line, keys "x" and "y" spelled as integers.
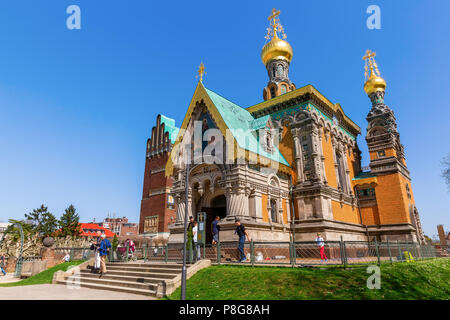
{"x": 120, "y": 226}
{"x": 90, "y": 230}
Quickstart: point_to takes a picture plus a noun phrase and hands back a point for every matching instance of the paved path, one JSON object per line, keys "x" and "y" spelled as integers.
{"x": 8, "y": 278}
{"x": 61, "y": 292}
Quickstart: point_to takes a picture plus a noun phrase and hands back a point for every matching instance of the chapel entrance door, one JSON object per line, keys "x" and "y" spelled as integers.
{"x": 218, "y": 208}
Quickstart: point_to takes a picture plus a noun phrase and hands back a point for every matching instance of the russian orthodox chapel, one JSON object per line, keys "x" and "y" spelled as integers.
{"x": 291, "y": 164}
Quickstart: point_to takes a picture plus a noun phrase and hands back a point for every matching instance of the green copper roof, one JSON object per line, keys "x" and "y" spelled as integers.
{"x": 364, "y": 175}
{"x": 169, "y": 126}
{"x": 260, "y": 123}
{"x": 243, "y": 127}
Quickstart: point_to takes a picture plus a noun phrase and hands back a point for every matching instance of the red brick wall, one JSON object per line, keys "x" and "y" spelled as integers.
{"x": 156, "y": 204}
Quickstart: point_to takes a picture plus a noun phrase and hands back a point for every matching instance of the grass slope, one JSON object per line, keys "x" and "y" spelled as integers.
{"x": 44, "y": 276}
{"x": 417, "y": 280}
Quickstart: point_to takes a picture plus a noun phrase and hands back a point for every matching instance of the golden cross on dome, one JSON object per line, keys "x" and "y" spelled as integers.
{"x": 201, "y": 71}
{"x": 275, "y": 25}
{"x": 370, "y": 64}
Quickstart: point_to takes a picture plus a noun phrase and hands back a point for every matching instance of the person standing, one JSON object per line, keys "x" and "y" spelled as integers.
{"x": 215, "y": 230}
{"x": 105, "y": 245}
{"x": 242, "y": 233}
{"x": 2, "y": 264}
{"x": 190, "y": 240}
{"x": 321, "y": 243}
{"x": 195, "y": 239}
{"x": 94, "y": 246}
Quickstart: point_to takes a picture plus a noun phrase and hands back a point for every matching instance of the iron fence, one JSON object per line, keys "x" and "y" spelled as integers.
{"x": 301, "y": 253}
{"x": 74, "y": 253}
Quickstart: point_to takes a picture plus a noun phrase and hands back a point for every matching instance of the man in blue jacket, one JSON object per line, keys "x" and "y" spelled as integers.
{"x": 105, "y": 245}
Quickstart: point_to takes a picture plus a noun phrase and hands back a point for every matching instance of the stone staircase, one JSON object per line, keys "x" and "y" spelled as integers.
{"x": 136, "y": 278}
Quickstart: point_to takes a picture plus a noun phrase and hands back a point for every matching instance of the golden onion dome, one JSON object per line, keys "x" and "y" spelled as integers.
{"x": 373, "y": 84}
{"x": 276, "y": 49}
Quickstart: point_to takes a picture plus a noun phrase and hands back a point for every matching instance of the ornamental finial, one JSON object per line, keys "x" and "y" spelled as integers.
{"x": 275, "y": 25}
{"x": 371, "y": 67}
{"x": 201, "y": 71}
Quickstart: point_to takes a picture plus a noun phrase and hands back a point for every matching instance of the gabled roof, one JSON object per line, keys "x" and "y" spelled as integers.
{"x": 229, "y": 116}
{"x": 239, "y": 121}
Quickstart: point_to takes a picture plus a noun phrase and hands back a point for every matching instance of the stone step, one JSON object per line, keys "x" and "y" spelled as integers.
{"x": 111, "y": 282}
{"x": 143, "y": 269}
{"x": 138, "y": 274}
{"x": 124, "y": 278}
{"x": 145, "y": 265}
{"x": 111, "y": 288}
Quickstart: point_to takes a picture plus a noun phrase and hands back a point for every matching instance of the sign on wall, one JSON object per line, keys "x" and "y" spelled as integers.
{"x": 151, "y": 224}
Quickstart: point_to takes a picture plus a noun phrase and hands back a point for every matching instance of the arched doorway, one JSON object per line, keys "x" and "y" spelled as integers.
{"x": 218, "y": 207}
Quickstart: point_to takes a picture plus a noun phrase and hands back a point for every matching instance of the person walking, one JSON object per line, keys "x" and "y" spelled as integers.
{"x": 105, "y": 245}
{"x": 94, "y": 246}
{"x": 215, "y": 230}
{"x": 2, "y": 264}
{"x": 321, "y": 243}
{"x": 242, "y": 233}
{"x": 195, "y": 239}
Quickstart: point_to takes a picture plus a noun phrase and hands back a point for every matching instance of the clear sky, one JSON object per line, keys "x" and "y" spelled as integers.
{"x": 77, "y": 106}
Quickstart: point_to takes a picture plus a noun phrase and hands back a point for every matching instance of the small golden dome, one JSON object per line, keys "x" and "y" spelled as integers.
{"x": 373, "y": 84}
{"x": 276, "y": 49}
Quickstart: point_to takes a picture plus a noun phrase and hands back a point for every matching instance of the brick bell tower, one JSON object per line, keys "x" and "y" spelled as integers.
{"x": 398, "y": 216}
{"x": 158, "y": 209}
{"x": 276, "y": 56}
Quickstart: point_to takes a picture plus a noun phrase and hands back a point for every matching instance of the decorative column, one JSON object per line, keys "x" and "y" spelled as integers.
{"x": 322, "y": 157}
{"x": 347, "y": 170}
{"x": 181, "y": 204}
{"x": 298, "y": 155}
{"x": 334, "y": 146}
{"x": 316, "y": 153}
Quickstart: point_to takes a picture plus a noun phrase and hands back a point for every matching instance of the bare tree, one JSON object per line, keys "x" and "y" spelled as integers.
{"x": 446, "y": 171}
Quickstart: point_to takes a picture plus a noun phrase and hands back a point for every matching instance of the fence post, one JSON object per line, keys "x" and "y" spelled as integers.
{"x": 18, "y": 270}
{"x": 377, "y": 251}
{"x": 218, "y": 252}
{"x": 204, "y": 249}
{"x": 144, "y": 252}
{"x": 342, "y": 251}
{"x": 71, "y": 254}
{"x": 128, "y": 251}
{"x": 416, "y": 250}
{"x": 252, "y": 252}
{"x": 399, "y": 251}
{"x": 292, "y": 252}
{"x": 166, "y": 255}
{"x": 389, "y": 250}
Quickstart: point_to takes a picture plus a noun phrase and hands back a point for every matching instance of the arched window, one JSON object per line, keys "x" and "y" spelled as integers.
{"x": 272, "y": 92}
{"x": 283, "y": 88}
{"x": 273, "y": 210}
{"x": 341, "y": 172}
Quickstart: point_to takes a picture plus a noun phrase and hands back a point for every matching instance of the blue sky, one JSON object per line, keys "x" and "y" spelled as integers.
{"x": 77, "y": 106}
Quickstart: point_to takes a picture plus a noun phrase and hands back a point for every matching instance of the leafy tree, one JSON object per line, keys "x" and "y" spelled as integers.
{"x": 15, "y": 232}
{"x": 446, "y": 170}
{"x": 115, "y": 242}
{"x": 49, "y": 225}
{"x": 69, "y": 223}
{"x": 42, "y": 221}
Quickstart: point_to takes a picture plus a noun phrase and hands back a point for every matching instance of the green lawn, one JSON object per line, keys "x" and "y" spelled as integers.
{"x": 43, "y": 277}
{"x": 417, "y": 280}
